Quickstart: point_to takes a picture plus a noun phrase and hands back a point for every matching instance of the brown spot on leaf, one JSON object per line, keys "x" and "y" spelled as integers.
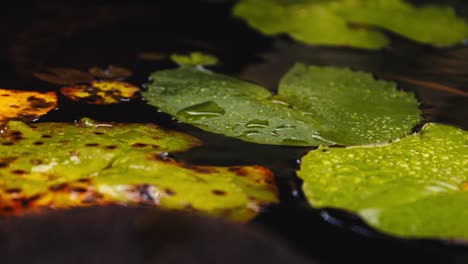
{"x": 218, "y": 192}
{"x": 78, "y": 189}
{"x": 139, "y": 145}
{"x": 8, "y": 208}
{"x": 6, "y": 161}
{"x": 37, "y": 102}
{"x": 19, "y": 172}
{"x": 84, "y": 180}
{"x": 239, "y": 171}
{"x": 38, "y": 143}
{"x": 91, "y": 144}
{"x": 36, "y": 162}
{"x": 58, "y": 187}
{"x": 13, "y": 190}
{"x": 169, "y": 192}
{"x": 111, "y": 147}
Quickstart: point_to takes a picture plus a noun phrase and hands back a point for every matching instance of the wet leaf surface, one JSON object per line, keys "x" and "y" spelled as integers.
{"x": 348, "y": 22}
{"x": 360, "y": 109}
{"x": 413, "y": 187}
{"x": 25, "y": 105}
{"x": 102, "y": 92}
{"x": 314, "y": 106}
{"x": 59, "y": 165}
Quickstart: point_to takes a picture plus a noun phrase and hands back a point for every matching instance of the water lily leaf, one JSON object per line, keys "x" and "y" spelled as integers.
{"x": 152, "y": 56}
{"x": 413, "y": 187}
{"x": 194, "y": 59}
{"x": 314, "y": 106}
{"x": 25, "y": 105}
{"x": 360, "y": 109}
{"x": 101, "y": 92}
{"x": 64, "y": 76}
{"x": 335, "y": 22}
{"x": 112, "y": 72}
{"x": 58, "y": 165}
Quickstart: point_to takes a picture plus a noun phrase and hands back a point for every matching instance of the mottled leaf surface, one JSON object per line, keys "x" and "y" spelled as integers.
{"x": 25, "y": 105}
{"x": 57, "y": 165}
{"x": 414, "y": 187}
{"x": 335, "y": 22}
{"x": 314, "y": 106}
{"x": 101, "y": 92}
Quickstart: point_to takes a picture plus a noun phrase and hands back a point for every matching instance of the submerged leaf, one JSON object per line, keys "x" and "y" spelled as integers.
{"x": 101, "y": 92}
{"x": 334, "y": 22}
{"x": 314, "y": 106}
{"x": 58, "y": 165}
{"x": 64, "y": 76}
{"x": 152, "y": 56}
{"x": 195, "y": 59}
{"x": 25, "y": 105}
{"x": 112, "y": 72}
{"x": 413, "y": 187}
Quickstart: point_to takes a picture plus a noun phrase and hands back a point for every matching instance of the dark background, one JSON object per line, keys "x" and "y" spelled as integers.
{"x": 36, "y": 35}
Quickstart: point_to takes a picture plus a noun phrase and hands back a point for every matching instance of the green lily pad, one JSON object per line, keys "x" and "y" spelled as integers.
{"x": 414, "y": 187}
{"x": 58, "y": 165}
{"x": 195, "y": 59}
{"x": 334, "y": 22}
{"x": 315, "y": 105}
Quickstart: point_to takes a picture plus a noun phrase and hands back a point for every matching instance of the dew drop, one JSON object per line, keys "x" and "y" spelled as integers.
{"x": 256, "y": 123}
{"x": 286, "y": 126}
{"x": 200, "y": 111}
{"x": 294, "y": 142}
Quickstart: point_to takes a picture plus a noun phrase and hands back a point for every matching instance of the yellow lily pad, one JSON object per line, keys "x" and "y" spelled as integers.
{"x": 101, "y": 92}
{"x": 25, "y": 105}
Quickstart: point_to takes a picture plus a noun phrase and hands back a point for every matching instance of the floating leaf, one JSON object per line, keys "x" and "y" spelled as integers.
{"x": 334, "y": 22}
{"x": 152, "y": 56}
{"x": 195, "y": 59}
{"x": 101, "y": 92}
{"x": 25, "y": 105}
{"x": 112, "y": 73}
{"x": 57, "y": 165}
{"x": 413, "y": 187}
{"x": 360, "y": 109}
{"x": 314, "y": 106}
{"x": 64, "y": 76}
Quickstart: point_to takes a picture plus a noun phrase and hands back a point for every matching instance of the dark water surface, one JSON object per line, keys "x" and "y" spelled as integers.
{"x": 37, "y": 35}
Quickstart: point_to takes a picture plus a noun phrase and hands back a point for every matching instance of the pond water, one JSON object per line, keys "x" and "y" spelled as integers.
{"x": 45, "y": 34}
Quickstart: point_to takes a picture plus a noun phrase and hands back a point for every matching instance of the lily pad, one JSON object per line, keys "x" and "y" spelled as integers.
{"x": 25, "y": 105}
{"x": 64, "y": 76}
{"x": 348, "y": 22}
{"x": 314, "y": 106}
{"x": 59, "y": 165}
{"x": 413, "y": 187}
{"x": 111, "y": 73}
{"x": 195, "y": 59}
{"x": 102, "y": 92}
